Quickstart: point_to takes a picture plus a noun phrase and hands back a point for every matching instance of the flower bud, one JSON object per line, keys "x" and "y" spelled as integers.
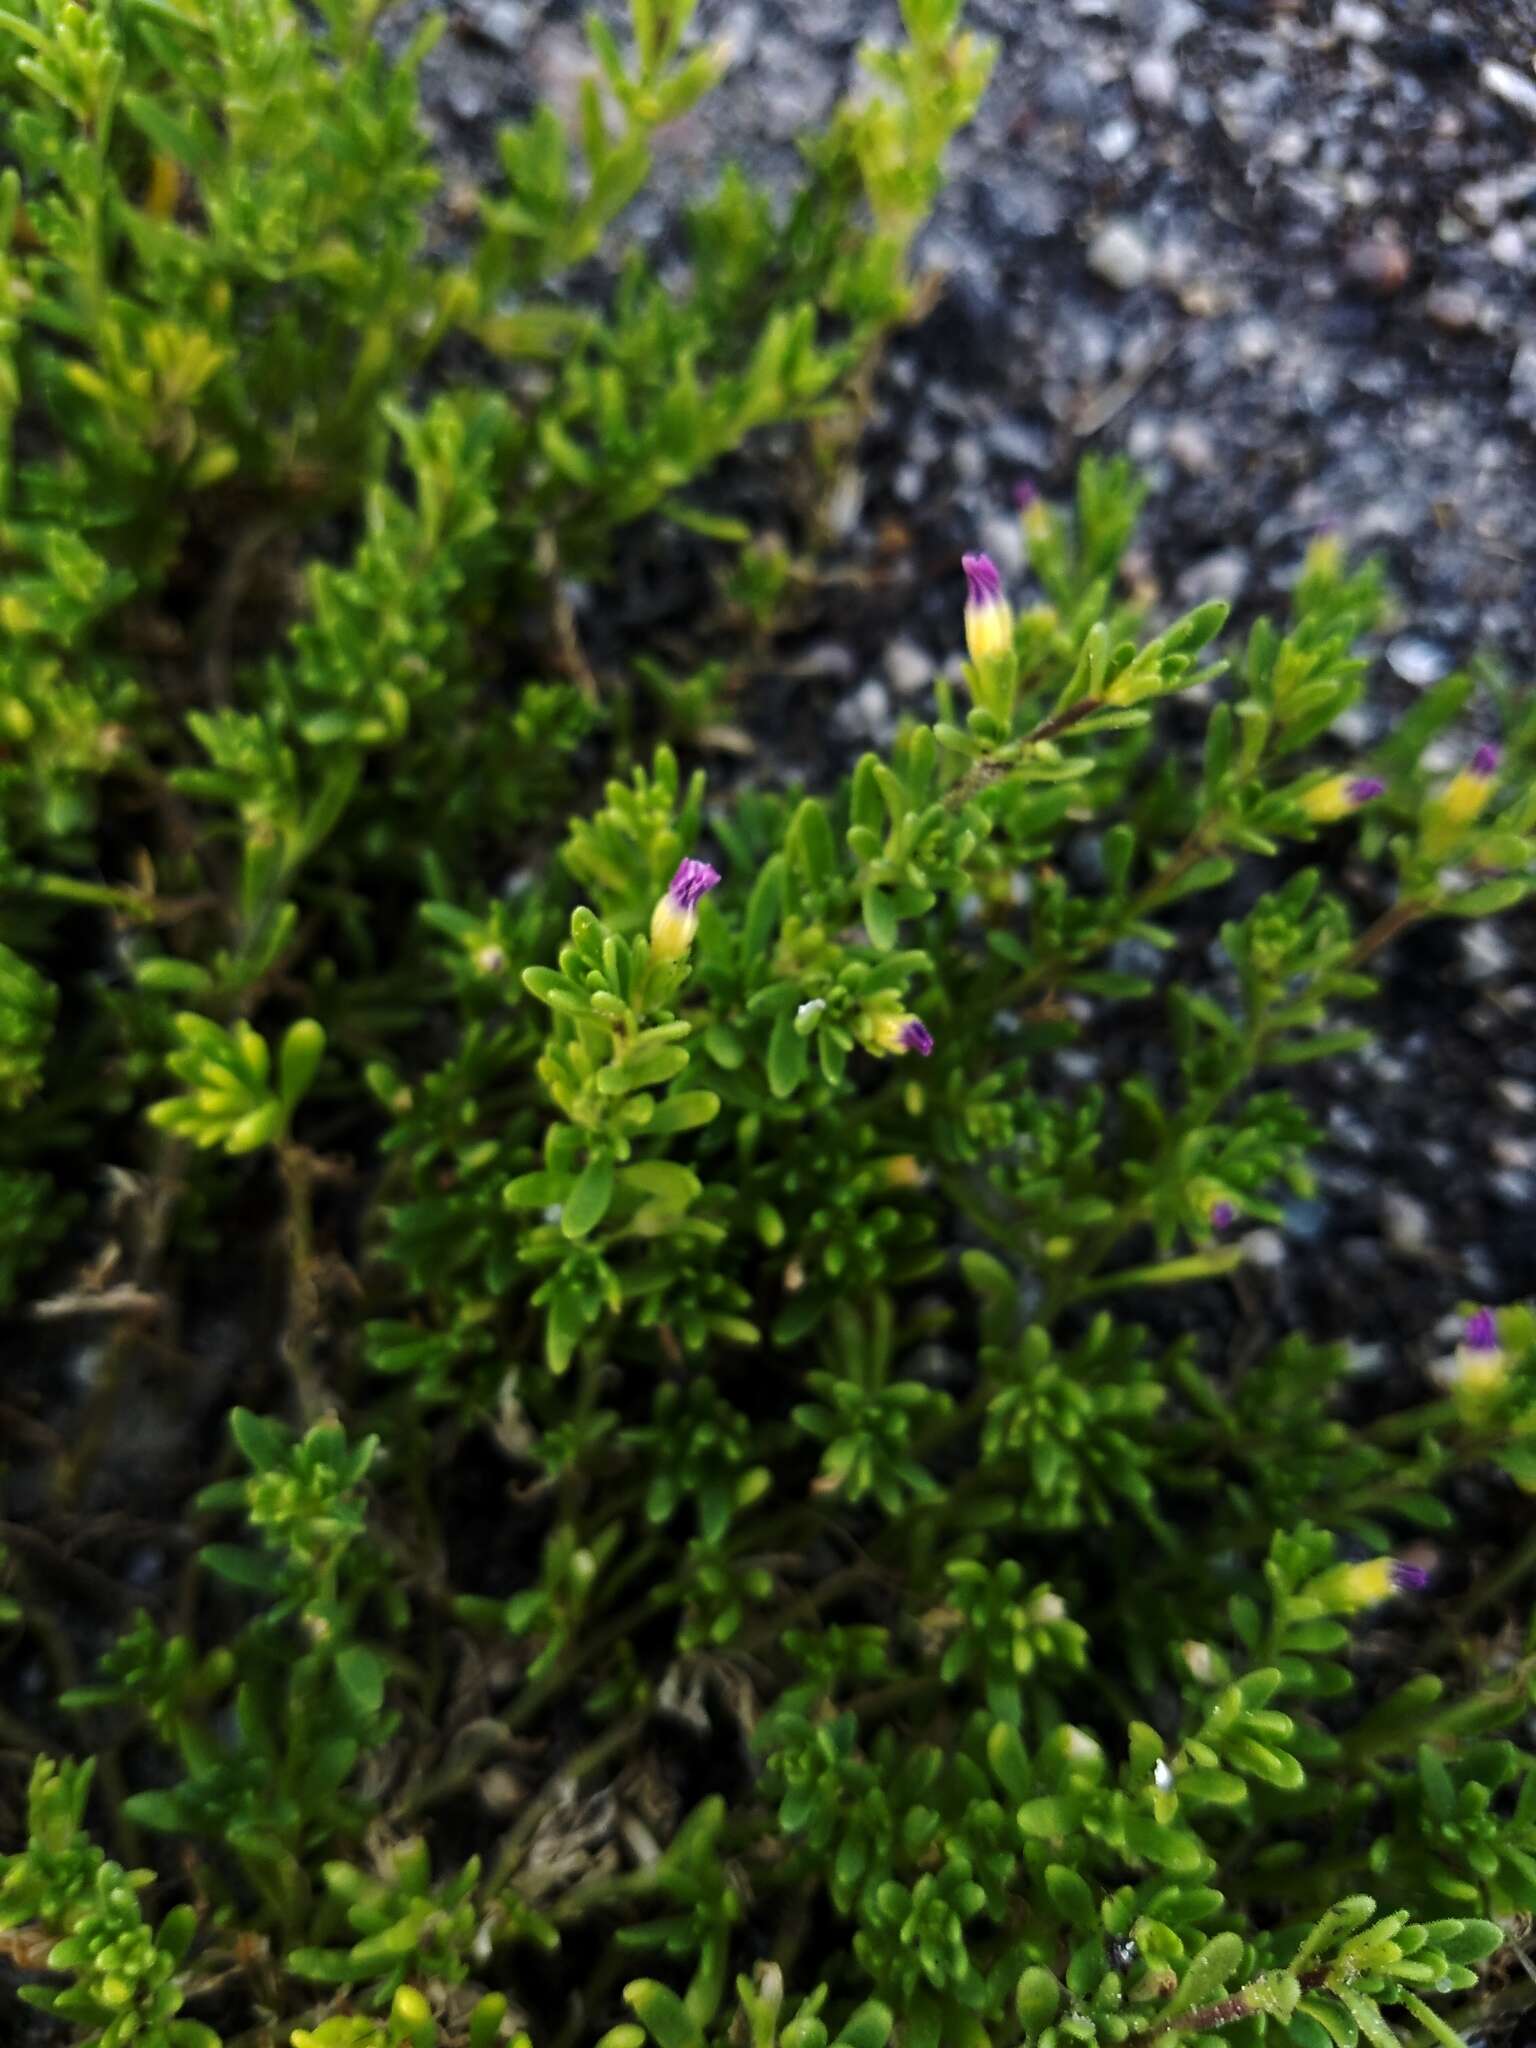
{"x": 1482, "y": 1331}
{"x": 1466, "y": 794}
{"x": 899, "y": 1031}
{"x": 1347, "y": 1588}
{"x": 676, "y": 916}
{"x": 1481, "y": 1367}
{"x": 1326, "y": 802}
{"x": 1213, "y": 1203}
{"x": 988, "y": 614}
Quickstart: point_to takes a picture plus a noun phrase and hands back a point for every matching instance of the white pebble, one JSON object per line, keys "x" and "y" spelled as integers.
{"x": 1116, "y": 139}
{"x": 1506, "y": 245}
{"x": 1264, "y": 1249}
{"x": 1155, "y": 79}
{"x": 1355, "y": 727}
{"x": 1405, "y": 1221}
{"x": 1359, "y": 21}
{"x": 1003, "y": 539}
{"x": 1417, "y": 661}
{"x": 1513, "y": 87}
{"x": 1119, "y": 254}
{"x": 909, "y": 667}
{"x": 1485, "y": 952}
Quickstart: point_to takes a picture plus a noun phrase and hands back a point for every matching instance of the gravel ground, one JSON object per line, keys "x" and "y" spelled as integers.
{"x": 1284, "y": 257}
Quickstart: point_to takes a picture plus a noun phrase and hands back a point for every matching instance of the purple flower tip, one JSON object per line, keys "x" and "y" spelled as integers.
{"x": 916, "y": 1037}
{"x": 1365, "y": 788}
{"x": 1481, "y": 1332}
{"x": 1485, "y": 761}
{"x": 694, "y": 878}
{"x": 1223, "y": 1215}
{"x": 983, "y": 584}
{"x": 1025, "y": 493}
{"x": 1409, "y": 1578}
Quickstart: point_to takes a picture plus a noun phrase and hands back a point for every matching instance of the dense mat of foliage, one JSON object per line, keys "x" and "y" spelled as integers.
{"x": 709, "y": 1531}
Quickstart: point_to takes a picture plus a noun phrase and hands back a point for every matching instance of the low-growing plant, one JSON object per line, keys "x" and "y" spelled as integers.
{"x": 732, "y": 1469}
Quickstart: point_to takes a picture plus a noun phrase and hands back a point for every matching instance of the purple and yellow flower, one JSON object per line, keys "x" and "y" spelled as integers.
{"x": 1481, "y": 1331}
{"x": 988, "y": 614}
{"x": 1481, "y": 1367}
{"x": 675, "y": 919}
{"x": 1347, "y": 1588}
{"x": 1464, "y": 796}
{"x": 1212, "y": 1204}
{"x": 898, "y": 1031}
{"x": 1327, "y": 801}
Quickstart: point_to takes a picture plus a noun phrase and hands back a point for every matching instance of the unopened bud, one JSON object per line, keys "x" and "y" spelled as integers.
{"x": 675, "y": 919}
{"x": 1326, "y": 802}
{"x": 988, "y": 614}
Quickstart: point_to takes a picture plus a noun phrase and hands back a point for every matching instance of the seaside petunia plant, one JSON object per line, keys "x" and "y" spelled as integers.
{"x": 644, "y": 1410}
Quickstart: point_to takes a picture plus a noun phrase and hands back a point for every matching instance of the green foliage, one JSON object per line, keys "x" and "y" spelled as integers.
{"x": 1005, "y": 1631}
{"x": 730, "y": 1459}
{"x": 699, "y": 1449}
{"x": 410, "y": 2024}
{"x": 268, "y": 1729}
{"x": 232, "y": 1102}
{"x": 127, "y": 1984}
{"x": 27, "y": 1005}
{"x": 1146, "y": 1804}
{"x": 405, "y": 1926}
